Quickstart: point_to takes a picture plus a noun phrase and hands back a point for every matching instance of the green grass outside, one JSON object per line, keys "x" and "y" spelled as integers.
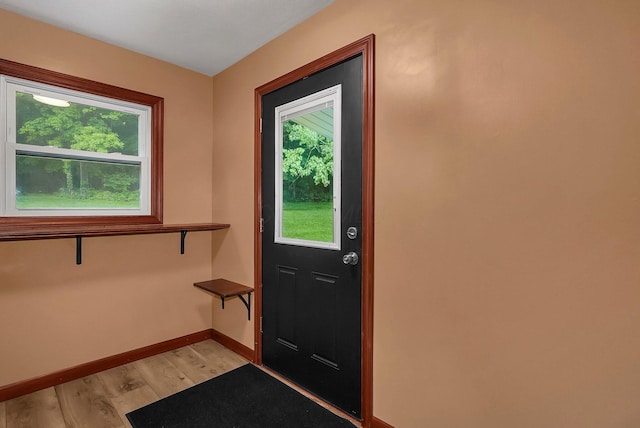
{"x": 44, "y": 201}
{"x": 308, "y": 220}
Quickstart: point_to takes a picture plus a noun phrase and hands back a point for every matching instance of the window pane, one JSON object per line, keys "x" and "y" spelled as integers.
{"x": 307, "y": 177}
{"x": 42, "y": 121}
{"x": 49, "y": 183}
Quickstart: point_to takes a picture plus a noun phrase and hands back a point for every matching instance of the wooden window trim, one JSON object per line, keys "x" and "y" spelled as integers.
{"x": 66, "y": 81}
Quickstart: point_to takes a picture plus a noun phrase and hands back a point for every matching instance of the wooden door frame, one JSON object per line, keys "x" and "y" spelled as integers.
{"x": 364, "y": 47}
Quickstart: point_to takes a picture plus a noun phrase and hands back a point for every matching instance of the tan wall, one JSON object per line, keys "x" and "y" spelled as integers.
{"x": 507, "y": 281}
{"x": 507, "y": 206}
{"x": 130, "y": 291}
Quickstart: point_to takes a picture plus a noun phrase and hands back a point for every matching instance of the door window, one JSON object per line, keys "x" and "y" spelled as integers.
{"x": 307, "y": 206}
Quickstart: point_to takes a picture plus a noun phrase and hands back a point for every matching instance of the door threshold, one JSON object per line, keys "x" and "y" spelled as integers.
{"x": 311, "y": 396}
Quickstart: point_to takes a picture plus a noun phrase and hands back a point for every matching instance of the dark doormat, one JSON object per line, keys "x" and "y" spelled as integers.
{"x": 246, "y": 397}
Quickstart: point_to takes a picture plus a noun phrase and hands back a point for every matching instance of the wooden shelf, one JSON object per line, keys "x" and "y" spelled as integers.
{"x": 26, "y": 233}
{"x": 225, "y": 288}
{"x": 23, "y": 233}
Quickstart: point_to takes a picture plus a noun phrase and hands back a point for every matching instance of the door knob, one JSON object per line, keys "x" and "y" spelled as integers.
{"x": 350, "y": 258}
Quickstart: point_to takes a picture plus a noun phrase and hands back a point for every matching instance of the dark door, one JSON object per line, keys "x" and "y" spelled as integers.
{"x": 311, "y": 242}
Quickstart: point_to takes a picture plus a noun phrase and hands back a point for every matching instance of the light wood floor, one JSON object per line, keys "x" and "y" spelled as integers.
{"x": 102, "y": 400}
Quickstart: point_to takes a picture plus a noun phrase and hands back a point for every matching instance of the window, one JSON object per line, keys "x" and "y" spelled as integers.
{"x": 75, "y": 151}
{"x": 308, "y": 170}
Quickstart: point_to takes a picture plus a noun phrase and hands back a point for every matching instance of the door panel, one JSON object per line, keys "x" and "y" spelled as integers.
{"x": 311, "y": 299}
{"x": 285, "y": 319}
{"x": 324, "y": 294}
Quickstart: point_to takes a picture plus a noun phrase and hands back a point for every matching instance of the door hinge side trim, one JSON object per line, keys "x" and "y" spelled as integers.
{"x": 261, "y": 325}
{"x": 261, "y": 225}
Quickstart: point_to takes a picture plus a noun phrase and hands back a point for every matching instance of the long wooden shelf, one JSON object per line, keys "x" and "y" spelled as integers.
{"x": 23, "y": 233}
{"x": 26, "y": 233}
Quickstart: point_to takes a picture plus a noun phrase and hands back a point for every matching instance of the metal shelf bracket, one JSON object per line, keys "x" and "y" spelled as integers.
{"x": 247, "y": 303}
{"x": 183, "y": 234}
{"x": 78, "y": 249}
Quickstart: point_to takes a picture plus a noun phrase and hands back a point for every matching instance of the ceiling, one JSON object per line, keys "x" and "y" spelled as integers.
{"x": 206, "y": 36}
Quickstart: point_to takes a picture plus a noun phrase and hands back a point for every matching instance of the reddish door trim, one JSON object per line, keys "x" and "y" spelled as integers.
{"x": 364, "y": 47}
